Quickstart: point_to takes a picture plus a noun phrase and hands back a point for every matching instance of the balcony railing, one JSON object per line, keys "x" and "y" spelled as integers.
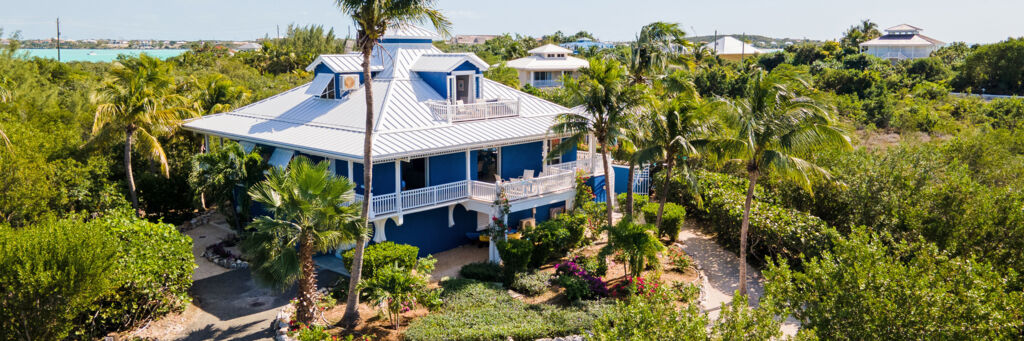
{"x": 523, "y": 188}
{"x": 482, "y": 110}
{"x": 548, "y": 83}
{"x": 584, "y": 161}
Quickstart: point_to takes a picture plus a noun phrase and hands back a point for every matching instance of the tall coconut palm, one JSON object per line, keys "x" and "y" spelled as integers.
{"x": 136, "y": 101}
{"x": 308, "y": 213}
{"x": 648, "y": 59}
{"x": 372, "y": 19}
{"x": 775, "y": 124}
{"x": 214, "y": 94}
{"x": 608, "y": 100}
{"x": 216, "y": 174}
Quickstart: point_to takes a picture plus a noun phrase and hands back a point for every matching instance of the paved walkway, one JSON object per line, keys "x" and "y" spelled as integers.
{"x": 721, "y": 269}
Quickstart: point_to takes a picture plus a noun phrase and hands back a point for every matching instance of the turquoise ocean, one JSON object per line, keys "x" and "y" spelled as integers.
{"x": 98, "y": 55}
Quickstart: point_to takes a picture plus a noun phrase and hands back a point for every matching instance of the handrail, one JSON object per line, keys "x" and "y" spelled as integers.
{"x": 484, "y": 109}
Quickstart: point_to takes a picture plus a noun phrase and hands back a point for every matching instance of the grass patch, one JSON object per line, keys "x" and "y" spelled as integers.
{"x": 475, "y": 310}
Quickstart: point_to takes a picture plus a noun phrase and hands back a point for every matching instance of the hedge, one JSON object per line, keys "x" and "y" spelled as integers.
{"x": 554, "y": 238}
{"x": 515, "y": 254}
{"x": 671, "y": 220}
{"x": 773, "y": 231}
{"x": 380, "y": 254}
{"x": 482, "y": 271}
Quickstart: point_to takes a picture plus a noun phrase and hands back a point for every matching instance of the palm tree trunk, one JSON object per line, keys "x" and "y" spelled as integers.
{"x": 351, "y": 317}
{"x": 129, "y": 178}
{"x": 305, "y": 311}
{"x": 663, "y": 196}
{"x": 629, "y": 189}
{"x": 743, "y": 233}
{"x": 608, "y": 186}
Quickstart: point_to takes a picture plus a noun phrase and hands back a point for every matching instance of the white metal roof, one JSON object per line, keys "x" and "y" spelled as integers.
{"x": 407, "y": 31}
{"x": 538, "y": 63}
{"x": 550, "y": 48}
{"x": 903, "y": 28}
{"x": 319, "y": 83}
{"x": 908, "y": 40}
{"x": 446, "y": 62}
{"x": 731, "y": 46}
{"x": 404, "y": 125}
{"x": 345, "y": 63}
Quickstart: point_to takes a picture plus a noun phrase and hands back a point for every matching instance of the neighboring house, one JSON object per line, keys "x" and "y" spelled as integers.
{"x": 901, "y": 42}
{"x": 250, "y": 47}
{"x": 730, "y": 48}
{"x": 584, "y": 44}
{"x": 546, "y": 65}
{"x": 472, "y": 39}
{"x": 446, "y": 140}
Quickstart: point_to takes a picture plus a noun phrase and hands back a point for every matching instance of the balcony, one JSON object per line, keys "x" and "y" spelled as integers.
{"x": 483, "y": 110}
{"x": 547, "y": 83}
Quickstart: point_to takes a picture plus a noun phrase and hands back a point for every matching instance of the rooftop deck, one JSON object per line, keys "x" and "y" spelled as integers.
{"x": 483, "y": 110}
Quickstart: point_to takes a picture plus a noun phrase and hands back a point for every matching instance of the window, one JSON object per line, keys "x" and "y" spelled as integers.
{"x": 542, "y": 76}
{"x": 414, "y": 174}
{"x": 329, "y": 91}
{"x": 552, "y": 144}
{"x": 487, "y": 165}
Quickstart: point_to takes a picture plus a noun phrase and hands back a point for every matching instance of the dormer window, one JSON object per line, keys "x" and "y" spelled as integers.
{"x": 329, "y": 92}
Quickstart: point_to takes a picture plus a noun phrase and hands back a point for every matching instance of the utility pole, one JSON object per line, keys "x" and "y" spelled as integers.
{"x": 58, "y": 39}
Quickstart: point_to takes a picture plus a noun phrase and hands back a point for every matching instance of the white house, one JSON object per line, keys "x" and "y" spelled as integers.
{"x": 546, "y": 65}
{"x": 901, "y": 42}
{"x": 730, "y": 48}
{"x": 447, "y": 140}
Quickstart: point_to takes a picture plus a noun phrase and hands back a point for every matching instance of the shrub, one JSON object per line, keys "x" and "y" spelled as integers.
{"x": 639, "y": 200}
{"x": 671, "y": 219}
{"x": 680, "y": 261}
{"x": 578, "y": 283}
{"x": 378, "y": 255}
{"x": 482, "y": 271}
{"x": 311, "y": 333}
{"x": 636, "y": 242}
{"x": 530, "y": 284}
{"x": 554, "y": 238}
{"x": 515, "y": 254}
{"x": 595, "y": 265}
{"x": 653, "y": 317}
{"x": 869, "y": 286}
{"x": 576, "y": 288}
{"x": 395, "y": 290}
{"x": 154, "y": 269}
{"x": 50, "y": 274}
{"x": 477, "y": 311}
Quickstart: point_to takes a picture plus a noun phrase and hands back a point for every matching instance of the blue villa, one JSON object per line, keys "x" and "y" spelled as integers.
{"x": 446, "y": 139}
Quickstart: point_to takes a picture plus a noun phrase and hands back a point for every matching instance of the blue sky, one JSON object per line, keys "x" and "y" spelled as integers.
{"x": 971, "y": 21}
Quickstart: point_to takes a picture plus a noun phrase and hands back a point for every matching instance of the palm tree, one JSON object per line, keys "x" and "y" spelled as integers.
{"x": 608, "y": 100}
{"x": 214, "y": 94}
{"x": 649, "y": 58}
{"x": 136, "y": 100}
{"x": 372, "y": 19}
{"x": 218, "y": 172}
{"x": 308, "y": 213}
{"x": 860, "y": 33}
{"x": 684, "y": 123}
{"x": 637, "y": 242}
{"x": 774, "y": 124}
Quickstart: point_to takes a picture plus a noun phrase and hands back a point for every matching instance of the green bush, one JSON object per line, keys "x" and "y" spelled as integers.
{"x": 515, "y": 255}
{"x": 870, "y": 287}
{"x": 478, "y": 311}
{"x": 554, "y": 238}
{"x": 380, "y": 254}
{"x": 639, "y": 200}
{"x": 595, "y": 265}
{"x": 671, "y": 220}
{"x": 530, "y": 284}
{"x": 482, "y": 271}
{"x": 576, "y": 288}
{"x": 154, "y": 268}
{"x": 49, "y": 275}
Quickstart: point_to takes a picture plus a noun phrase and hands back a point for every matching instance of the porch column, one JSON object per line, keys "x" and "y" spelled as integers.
{"x": 544, "y": 153}
{"x": 398, "y": 190}
{"x": 469, "y": 179}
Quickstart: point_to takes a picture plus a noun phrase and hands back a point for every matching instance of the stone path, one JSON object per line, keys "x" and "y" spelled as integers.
{"x": 721, "y": 271}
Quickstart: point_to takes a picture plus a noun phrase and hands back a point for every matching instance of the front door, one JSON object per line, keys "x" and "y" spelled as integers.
{"x": 462, "y": 88}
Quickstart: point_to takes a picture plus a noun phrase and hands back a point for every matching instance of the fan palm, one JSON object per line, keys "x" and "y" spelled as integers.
{"x": 308, "y": 213}
{"x": 136, "y": 101}
{"x": 607, "y": 101}
{"x": 372, "y": 19}
{"x": 217, "y": 173}
{"x": 637, "y": 242}
{"x": 774, "y": 124}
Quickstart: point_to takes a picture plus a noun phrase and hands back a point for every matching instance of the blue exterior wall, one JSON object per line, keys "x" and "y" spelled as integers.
{"x": 341, "y": 169}
{"x": 473, "y": 167}
{"x": 516, "y": 158}
{"x": 543, "y": 214}
{"x": 429, "y": 231}
{"x": 597, "y": 183}
{"x": 437, "y": 81}
{"x": 447, "y": 168}
{"x": 621, "y": 178}
{"x": 569, "y": 155}
{"x": 383, "y": 177}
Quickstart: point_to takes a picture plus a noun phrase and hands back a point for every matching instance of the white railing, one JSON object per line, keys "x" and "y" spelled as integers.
{"x": 524, "y": 188}
{"x": 547, "y": 83}
{"x": 385, "y": 203}
{"x": 432, "y": 195}
{"x": 583, "y": 162}
{"x": 483, "y": 110}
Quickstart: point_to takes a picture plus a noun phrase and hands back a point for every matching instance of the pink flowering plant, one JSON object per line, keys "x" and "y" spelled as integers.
{"x": 578, "y": 282}
{"x": 498, "y": 228}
